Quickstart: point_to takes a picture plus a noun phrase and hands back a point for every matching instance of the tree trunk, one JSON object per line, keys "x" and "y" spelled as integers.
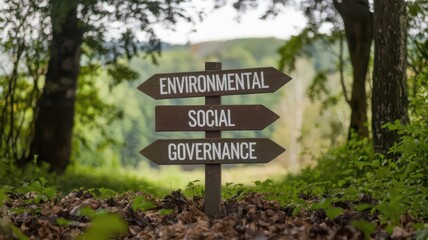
{"x": 54, "y": 120}
{"x": 389, "y": 101}
{"x": 358, "y": 20}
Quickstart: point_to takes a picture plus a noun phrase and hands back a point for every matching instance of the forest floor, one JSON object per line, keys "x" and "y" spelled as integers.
{"x": 136, "y": 215}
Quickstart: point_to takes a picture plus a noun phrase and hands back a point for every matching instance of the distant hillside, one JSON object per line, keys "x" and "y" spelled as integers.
{"x": 137, "y": 128}
{"x": 257, "y": 48}
{"x": 236, "y": 53}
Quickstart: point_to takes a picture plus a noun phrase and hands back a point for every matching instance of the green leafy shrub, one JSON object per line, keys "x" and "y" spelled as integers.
{"x": 412, "y": 165}
{"x": 140, "y": 203}
{"x": 353, "y": 172}
{"x": 103, "y": 225}
{"x": 193, "y": 189}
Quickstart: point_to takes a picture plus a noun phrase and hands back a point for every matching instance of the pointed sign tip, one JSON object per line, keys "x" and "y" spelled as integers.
{"x": 146, "y": 151}
{"x": 141, "y": 87}
{"x": 162, "y": 86}
{"x": 142, "y": 151}
{"x": 253, "y": 150}
{"x": 279, "y": 148}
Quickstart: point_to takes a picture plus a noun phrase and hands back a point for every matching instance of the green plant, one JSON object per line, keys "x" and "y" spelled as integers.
{"x": 38, "y": 186}
{"x": 166, "y": 211}
{"x": 140, "y": 203}
{"x": 352, "y": 172}
{"x": 103, "y": 193}
{"x": 413, "y": 145}
{"x": 366, "y": 227}
{"x": 193, "y": 189}
{"x": 104, "y": 226}
{"x": 232, "y": 190}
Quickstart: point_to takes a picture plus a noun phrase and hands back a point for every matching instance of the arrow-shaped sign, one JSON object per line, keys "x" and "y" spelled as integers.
{"x": 215, "y": 150}
{"x": 213, "y": 117}
{"x": 214, "y": 83}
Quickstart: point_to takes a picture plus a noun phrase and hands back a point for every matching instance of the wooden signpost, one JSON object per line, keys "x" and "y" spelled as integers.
{"x": 213, "y": 118}
{"x": 212, "y": 150}
{"x": 215, "y": 82}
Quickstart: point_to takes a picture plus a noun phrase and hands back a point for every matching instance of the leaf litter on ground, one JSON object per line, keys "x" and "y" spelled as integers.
{"x": 137, "y": 215}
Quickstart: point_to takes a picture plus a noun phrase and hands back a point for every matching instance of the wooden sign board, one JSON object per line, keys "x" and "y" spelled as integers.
{"x": 212, "y": 151}
{"x": 213, "y": 117}
{"x": 214, "y": 83}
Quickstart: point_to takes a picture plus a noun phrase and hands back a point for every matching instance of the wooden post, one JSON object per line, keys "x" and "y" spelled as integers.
{"x": 212, "y": 171}
{"x": 259, "y": 150}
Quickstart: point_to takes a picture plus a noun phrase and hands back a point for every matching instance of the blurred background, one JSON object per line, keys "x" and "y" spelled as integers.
{"x": 69, "y": 72}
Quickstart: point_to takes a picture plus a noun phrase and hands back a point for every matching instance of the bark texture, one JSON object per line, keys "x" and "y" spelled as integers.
{"x": 54, "y": 121}
{"x": 358, "y": 21}
{"x": 389, "y": 101}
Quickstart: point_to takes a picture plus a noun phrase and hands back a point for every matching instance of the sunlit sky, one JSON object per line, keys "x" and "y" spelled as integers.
{"x": 221, "y": 24}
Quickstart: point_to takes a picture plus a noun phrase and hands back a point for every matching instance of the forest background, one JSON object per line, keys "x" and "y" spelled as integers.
{"x": 71, "y": 114}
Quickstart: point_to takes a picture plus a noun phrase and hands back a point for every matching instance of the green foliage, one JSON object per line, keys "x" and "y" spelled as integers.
{"x": 417, "y": 44}
{"x": 193, "y": 189}
{"x": 29, "y": 30}
{"x": 232, "y": 190}
{"x": 38, "y": 187}
{"x": 104, "y": 226}
{"x": 326, "y": 205}
{"x": 103, "y": 193}
{"x": 166, "y": 211}
{"x": 24, "y": 56}
{"x": 366, "y": 227}
{"x": 102, "y": 183}
{"x": 346, "y": 172}
{"x": 294, "y": 48}
{"x": 319, "y": 91}
{"x": 3, "y": 196}
{"x": 63, "y": 222}
{"x": 267, "y": 186}
{"x": 98, "y": 105}
{"x": 18, "y": 234}
{"x": 412, "y": 165}
{"x": 140, "y": 203}
{"x": 369, "y": 182}
{"x": 422, "y": 234}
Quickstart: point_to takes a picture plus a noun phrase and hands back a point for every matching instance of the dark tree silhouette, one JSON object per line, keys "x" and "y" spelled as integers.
{"x": 389, "y": 101}
{"x": 78, "y": 23}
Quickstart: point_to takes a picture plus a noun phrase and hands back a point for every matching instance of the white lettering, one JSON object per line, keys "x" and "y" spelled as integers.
{"x": 252, "y": 150}
{"x": 256, "y": 81}
{"x": 244, "y": 155}
{"x": 199, "y": 150}
{"x": 180, "y": 84}
{"x": 162, "y": 86}
{"x": 231, "y": 81}
{"x": 191, "y": 114}
{"x": 181, "y": 151}
{"x": 215, "y": 82}
{"x": 209, "y": 151}
{"x": 172, "y": 154}
{"x": 192, "y": 84}
{"x": 222, "y": 119}
{"x": 240, "y": 81}
{"x": 263, "y": 80}
{"x": 211, "y": 83}
{"x": 229, "y": 118}
{"x": 171, "y": 85}
{"x": 210, "y": 118}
